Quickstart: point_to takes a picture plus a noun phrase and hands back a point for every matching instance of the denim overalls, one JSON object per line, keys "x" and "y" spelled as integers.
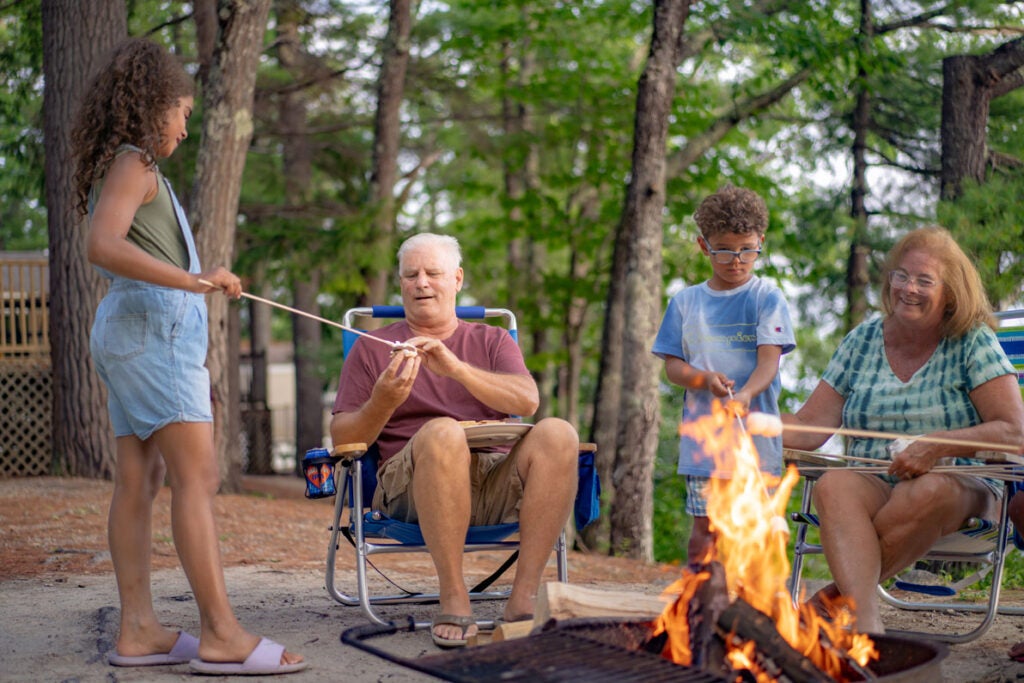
{"x": 149, "y": 346}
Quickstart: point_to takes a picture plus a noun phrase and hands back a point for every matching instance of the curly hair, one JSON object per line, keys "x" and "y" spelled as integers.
{"x": 126, "y": 102}
{"x": 967, "y": 305}
{"x": 732, "y": 210}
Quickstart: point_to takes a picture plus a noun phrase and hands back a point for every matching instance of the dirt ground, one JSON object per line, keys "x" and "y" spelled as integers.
{"x": 59, "y": 601}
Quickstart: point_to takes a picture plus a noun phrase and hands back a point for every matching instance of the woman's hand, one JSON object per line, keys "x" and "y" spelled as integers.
{"x": 910, "y": 458}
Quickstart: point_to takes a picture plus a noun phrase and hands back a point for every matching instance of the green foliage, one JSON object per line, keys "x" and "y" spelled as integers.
{"x": 22, "y": 203}
{"x": 991, "y": 233}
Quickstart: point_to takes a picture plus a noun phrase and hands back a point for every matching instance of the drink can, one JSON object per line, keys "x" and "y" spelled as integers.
{"x": 318, "y": 466}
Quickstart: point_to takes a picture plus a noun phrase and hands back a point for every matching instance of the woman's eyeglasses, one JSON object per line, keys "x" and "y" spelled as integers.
{"x": 900, "y": 279}
{"x": 726, "y": 256}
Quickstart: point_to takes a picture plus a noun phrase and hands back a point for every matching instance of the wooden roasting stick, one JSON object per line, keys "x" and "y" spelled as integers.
{"x": 1004, "y": 451}
{"x": 325, "y": 321}
{"x": 1005, "y": 466}
{"x": 771, "y": 425}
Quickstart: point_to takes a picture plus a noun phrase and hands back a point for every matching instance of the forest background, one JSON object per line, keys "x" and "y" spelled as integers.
{"x": 566, "y": 145}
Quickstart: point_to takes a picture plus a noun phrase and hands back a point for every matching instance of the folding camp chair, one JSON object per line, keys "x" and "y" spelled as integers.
{"x": 981, "y": 542}
{"x": 371, "y": 532}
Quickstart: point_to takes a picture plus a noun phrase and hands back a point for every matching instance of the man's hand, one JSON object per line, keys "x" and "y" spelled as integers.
{"x": 395, "y": 383}
{"x": 438, "y": 358}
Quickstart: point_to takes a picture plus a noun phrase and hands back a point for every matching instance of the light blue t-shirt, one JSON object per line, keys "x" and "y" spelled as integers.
{"x": 720, "y": 331}
{"x": 935, "y": 398}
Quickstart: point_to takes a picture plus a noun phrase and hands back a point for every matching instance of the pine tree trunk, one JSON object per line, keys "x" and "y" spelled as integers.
{"x": 637, "y": 442}
{"x": 76, "y": 38}
{"x": 857, "y": 279}
{"x": 969, "y": 84}
{"x": 387, "y": 134}
{"x": 298, "y": 173}
{"x": 227, "y": 130}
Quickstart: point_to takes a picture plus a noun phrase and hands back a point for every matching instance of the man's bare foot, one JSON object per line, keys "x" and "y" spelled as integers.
{"x": 452, "y": 630}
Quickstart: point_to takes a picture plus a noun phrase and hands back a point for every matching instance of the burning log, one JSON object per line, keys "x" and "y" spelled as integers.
{"x": 705, "y": 611}
{"x": 747, "y": 623}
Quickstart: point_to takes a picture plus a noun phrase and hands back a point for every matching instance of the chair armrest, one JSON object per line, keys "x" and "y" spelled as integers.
{"x": 801, "y": 459}
{"x": 347, "y": 452}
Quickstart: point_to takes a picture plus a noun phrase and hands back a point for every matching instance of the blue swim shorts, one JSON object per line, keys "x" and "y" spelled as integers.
{"x": 148, "y": 344}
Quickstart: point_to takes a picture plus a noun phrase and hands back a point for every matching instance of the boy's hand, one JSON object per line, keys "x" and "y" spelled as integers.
{"x": 738, "y": 406}
{"x": 718, "y": 384}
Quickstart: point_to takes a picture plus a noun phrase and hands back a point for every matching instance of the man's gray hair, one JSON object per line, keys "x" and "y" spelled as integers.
{"x": 446, "y": 243}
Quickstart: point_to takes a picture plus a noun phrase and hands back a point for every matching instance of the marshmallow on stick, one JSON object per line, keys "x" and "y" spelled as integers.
{"x": 764, "y": 424}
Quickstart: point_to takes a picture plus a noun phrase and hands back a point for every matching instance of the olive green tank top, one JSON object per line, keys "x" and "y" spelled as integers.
{"x": 155, "y": 227}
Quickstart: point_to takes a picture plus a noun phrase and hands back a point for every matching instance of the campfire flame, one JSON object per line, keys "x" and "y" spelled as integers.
{"x": 747, "y": 514}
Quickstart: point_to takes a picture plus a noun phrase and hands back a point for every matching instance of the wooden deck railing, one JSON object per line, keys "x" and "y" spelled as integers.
{"x": 24, "y": 307}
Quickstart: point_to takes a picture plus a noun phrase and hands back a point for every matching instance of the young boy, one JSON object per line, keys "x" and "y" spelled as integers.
{"x": 722, "y": 339}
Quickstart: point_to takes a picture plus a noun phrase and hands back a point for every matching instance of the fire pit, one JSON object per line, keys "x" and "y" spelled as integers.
{"x": 596, "y": 650}
{"x": 732, "y": 618}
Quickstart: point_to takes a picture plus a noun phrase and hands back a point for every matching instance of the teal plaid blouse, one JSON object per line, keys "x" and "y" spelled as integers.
{"x": 935, "y": 398}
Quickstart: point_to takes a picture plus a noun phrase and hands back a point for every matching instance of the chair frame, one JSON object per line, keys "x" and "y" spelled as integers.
{"x": 366, "y": 545}
{"x": 994, "y": 557}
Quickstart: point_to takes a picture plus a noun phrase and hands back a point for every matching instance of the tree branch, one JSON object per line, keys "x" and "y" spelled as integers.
{"x": 699, "y": 144}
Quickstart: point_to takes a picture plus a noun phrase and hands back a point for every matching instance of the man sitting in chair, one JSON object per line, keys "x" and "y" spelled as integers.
{"x": 411, "y": 405}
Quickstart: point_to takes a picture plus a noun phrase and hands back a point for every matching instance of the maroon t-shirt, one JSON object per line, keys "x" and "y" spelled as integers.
{"x": 483, "y": 346}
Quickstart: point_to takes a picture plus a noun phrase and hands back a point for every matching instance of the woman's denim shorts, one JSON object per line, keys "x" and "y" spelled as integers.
{"x": 148, "y": 344}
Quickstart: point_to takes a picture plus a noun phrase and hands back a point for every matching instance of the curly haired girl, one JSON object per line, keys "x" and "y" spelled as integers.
{"x": 148, "y": 344}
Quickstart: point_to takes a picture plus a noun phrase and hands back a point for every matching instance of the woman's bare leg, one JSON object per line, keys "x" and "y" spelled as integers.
{"x": 847, "y": 503}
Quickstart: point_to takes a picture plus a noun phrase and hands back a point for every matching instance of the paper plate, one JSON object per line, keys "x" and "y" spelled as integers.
{"x": 484, "y": 434}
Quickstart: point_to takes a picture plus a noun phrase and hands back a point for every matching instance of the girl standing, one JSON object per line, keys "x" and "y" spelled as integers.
{"x": 148, "y": 343}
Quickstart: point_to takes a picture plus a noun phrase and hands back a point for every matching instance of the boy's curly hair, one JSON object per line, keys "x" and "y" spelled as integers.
{"x": 732, "y": 210}
{"x": 126, "y": 102}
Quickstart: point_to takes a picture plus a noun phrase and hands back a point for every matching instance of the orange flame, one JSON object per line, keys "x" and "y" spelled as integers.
{"x": 747, "y": 512}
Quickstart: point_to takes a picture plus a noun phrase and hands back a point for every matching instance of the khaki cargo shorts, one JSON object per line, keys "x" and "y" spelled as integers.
{"x": 495, "y": 488}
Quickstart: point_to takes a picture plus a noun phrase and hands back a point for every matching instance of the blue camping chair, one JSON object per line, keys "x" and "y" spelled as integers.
{"x": 371, "y": 532}
{"x": 979, "y": 542}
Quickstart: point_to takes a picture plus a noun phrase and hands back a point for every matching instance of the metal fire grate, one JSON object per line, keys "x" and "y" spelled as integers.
{"x": 553, "y": 656}
{"x": 612, "y": 650}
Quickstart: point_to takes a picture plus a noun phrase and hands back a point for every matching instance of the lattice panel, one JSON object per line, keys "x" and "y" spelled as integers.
{"x": 26, "y": 424}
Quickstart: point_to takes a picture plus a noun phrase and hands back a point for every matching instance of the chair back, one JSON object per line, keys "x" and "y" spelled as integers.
{"x": 1011, "y": 338}
{"x": 397, "y": 312}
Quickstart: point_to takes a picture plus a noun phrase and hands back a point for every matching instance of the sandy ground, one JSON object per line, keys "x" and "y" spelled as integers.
{"x": 59, "y": 608}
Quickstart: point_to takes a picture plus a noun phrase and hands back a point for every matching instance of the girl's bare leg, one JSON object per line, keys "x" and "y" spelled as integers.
{"x": 138, "y": 476}
{"x": 188, "y": 450}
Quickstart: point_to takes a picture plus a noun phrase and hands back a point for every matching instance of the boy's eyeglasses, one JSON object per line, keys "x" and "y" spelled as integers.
{"x": 900, "y": 279}
{"x": 726, "y": 256}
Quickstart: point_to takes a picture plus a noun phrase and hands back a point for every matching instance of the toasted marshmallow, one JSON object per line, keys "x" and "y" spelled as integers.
{"x": 764, "y": 424}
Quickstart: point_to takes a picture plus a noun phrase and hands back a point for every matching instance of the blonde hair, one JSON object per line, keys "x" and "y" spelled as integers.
{"x": 966, "y": 304}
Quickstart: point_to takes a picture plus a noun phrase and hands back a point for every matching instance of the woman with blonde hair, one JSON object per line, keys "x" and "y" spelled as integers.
{"x": 931, "y": 365}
